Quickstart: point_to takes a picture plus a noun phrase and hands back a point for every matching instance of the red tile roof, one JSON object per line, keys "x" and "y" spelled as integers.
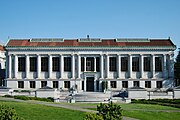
{"x": 75, "y": 42}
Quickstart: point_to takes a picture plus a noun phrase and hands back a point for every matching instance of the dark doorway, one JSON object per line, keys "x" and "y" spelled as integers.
{"x": 90, "y": 84}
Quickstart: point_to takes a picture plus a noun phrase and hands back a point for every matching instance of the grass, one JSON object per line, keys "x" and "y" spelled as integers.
{"x": 140, "y": 114}
{"x": 41, "y": 112}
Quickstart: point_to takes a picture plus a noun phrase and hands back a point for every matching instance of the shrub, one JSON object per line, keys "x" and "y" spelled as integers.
{"x": 104, "y": 85}
{"x": 21, "y": 97}
{"x": 9, "y": 96}
{"x": 106, "y": 112}
{"x": 93, "y": 116}
{"x": 7, "y": 113}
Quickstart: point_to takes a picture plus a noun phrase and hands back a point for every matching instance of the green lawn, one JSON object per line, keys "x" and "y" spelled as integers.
{"x": 140, "y": 114}
{"x": 41, "y": 112}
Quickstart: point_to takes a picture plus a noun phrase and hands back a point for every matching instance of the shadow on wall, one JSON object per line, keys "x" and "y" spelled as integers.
{"x": 168, "y": 83}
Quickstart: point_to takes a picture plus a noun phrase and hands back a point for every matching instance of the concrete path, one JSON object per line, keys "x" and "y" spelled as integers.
{"x": 58, "y": 105}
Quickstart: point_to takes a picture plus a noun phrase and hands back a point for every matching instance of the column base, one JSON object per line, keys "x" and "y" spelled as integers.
{"x": 101, "y": 78}
{"x": 78, "y": 78}
{"x": 120, "y": 78}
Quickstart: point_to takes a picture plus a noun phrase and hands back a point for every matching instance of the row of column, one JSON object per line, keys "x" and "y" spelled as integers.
{"x": 79, "y": 66}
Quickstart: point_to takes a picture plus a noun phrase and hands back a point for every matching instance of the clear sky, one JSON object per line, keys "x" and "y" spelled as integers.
{"x": 97, "y": 18}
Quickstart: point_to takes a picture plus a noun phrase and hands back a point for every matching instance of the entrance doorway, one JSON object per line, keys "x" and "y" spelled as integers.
{"x": 90, "y": 84}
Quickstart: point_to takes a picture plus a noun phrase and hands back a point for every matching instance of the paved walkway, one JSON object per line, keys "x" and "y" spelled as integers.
{"x": 58, "y": 105}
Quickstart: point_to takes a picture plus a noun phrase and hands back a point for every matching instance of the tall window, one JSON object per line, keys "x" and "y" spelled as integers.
{"x": 89, "y": 64}
{"x": 136, "y": 83}
{"x": 20, "y": 84}
{"x": 97, "y": 64}
{"x": 112, "y": 64}
{"x": 33, "y": 64}
{"x": 159, "y": 84}
{"x": 66, "y": 84}
{"x": 67, "y": 64}
{"x": 82, "y": 63}
{"x": 55, "y": 84}
{"x": 43, "y": 84}
{"x": 135, "y": 64}
{"x": 124, "y": 64}
{"x": 158, "y": 64}
{"x": 147, "y": 64}
{"x": 21, "y": 64}
{"x": 113, "y": 84}
{"x": 32, "y": 84}
{"x": 44, "y": 64}
{"x": 125, "y": 84}
{"x": 147, "y": 84}
{"x": 55, "y": 63}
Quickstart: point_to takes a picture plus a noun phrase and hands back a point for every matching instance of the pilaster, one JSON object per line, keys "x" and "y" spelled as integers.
{"x": 15, "y": 66}
{"x": 27, "y": 66}
{"x": 50, "y": 66}
{"x": 10, "y": 67}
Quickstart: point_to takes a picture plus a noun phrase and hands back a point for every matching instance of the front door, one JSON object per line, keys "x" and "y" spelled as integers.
{"x": 90, "y": 84}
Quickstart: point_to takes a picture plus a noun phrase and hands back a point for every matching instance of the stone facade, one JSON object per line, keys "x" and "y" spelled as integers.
{"x": 85, "y": 63}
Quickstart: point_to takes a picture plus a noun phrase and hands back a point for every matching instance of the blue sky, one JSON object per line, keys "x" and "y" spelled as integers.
{"x": 97, "y": 18}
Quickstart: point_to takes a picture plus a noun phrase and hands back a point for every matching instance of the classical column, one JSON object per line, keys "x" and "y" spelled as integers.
{"x": 50, "y": 66}
{"x": 15, "y": 66}
{"x": 27, "y": 66}
{"x": 119, "y": 67}
{"x": 94, "y": 64}
{"x": 130, "y": 66}
{"x": 73, "y": 67}
{"x": 142, "y": 66}
{"x": 79, "y": 66}
{"x": 62, "y": 67}
{"x": 153, "y": 66}
{"x": 102, "y": 67}
{"x": 107, "y": 65}
{"x": 38, "y": 66}
{"x": 164, "y": 67}
{"x": 84, "y": 64}
{"x": 10, "y": 67}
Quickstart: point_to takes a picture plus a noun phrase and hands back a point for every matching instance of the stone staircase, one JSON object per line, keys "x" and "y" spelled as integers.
{"x": 91, "y": 97}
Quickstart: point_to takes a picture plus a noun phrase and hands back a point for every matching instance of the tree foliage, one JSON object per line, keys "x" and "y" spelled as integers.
{"x": 7, "y": 113}
{"x": 177, "y": 69}
{"x": 106, "y": 112}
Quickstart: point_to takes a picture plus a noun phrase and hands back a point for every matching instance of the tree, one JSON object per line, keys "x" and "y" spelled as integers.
{"x": 177, "y": 69}
{"x": 106, "y": 112}
{"x": 7, "y": 113}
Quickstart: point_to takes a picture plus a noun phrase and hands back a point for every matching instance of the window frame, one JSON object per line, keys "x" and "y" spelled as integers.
{"x": 55, "y": 64}
{"x": 113, "y": 84}
{"x": 147, "y": 84}
{"x": 43, "y": 84}
{"x": 124, "y": 64}
{"x": 21, "y": 64}
{"x": 112, "y": 64}
{"x": 124, "y": 84}
{"x": 44, "y": 64}
{"x": 20, "y": 84}
{"x": 67, "y": 64}
{"x": 33, "y": 64}
{"x": 147, "y": 64}
{"x": 158, "y": 64}
{"x": 55, "y": 84}
{"x": 67, "y": 84}
{"x": 32, "y": 84}
{"x": 135, "y": 64}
